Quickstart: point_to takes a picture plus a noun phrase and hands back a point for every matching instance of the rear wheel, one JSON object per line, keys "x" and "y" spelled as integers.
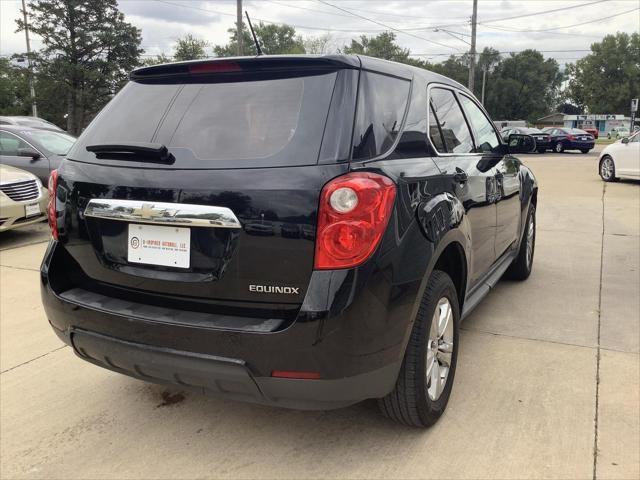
{"x": 521, "y": 267}
{"x": 542, "y": 150}
{"x": 559, "y": 147}
{"x": 426, "y": 377}
{"x": 608, "y": 169}
{"x": 585, "y": 150}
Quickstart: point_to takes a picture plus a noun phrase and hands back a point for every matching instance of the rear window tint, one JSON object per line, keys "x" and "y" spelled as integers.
{"x": 382, "y": 101}
{"x": 249, "y": 123}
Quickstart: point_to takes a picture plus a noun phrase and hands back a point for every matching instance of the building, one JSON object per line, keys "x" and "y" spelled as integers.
{"x": 603, "y": 122}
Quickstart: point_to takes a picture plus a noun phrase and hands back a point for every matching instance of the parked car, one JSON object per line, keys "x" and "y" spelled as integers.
{"x": 34, "y": 150}
{"x": 570, "y": 139}
{"x": 32, "y": 122}
{"x": 259, "y": 228}
{"x": 618, "y": 132}
{"x": 290, "y": 230}
{"x": 621, "y": 159}
{"x": 149, "y": 272}
{"x": 543, "y": 140}
{"x": 23, "y": 199}
{"x": 592, "y": 131}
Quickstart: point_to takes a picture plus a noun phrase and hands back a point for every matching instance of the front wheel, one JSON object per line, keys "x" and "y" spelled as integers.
{"x": 424, "y": 383}
{"x": 607, "y": 169}
{"x": 521, "y": 267}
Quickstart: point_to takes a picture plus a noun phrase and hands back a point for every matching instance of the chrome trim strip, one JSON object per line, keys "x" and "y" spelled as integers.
{"x": 159, "y": 213}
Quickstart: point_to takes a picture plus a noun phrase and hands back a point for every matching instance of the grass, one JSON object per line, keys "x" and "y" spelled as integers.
{"x": 605, "y": 141}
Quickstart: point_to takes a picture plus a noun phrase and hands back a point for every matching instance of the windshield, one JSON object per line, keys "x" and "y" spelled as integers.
{"x": 52, "y": 142}
{"x": 273, "y": 122}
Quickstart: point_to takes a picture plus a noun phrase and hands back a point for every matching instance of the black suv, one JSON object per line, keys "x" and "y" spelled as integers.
{"x": 304, "y": 232}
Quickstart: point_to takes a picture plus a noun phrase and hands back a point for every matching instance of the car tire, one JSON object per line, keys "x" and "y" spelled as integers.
{"x": 559, "y": 147}
{"x": 585, "y": 150}
{"x": 416, "y": 400}
{"x": 542, "y": 150}
{"x": 607, "y": 169}
{"x": 522, "y": 265}
{"x": 609, "y": 136}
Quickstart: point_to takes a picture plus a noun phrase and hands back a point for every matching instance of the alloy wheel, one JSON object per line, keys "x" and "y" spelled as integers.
{"x": 606, "y": 168}
{"x": 531, "y": 231}
{"x": 439, "y": 349}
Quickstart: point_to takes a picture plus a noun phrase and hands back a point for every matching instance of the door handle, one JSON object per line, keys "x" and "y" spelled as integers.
{"x": 460, "y": 176}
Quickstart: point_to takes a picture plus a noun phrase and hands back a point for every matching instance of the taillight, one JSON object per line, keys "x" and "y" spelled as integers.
{"x": 571, "y": 137}
{"x": 214, "y": 67}
{"x": 353, "y": 215}
{"x": 51, "y": 207}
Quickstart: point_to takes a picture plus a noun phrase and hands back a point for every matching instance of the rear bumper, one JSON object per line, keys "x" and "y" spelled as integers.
{"x": 356, "y": 347}
{"x": 579, "y": 146}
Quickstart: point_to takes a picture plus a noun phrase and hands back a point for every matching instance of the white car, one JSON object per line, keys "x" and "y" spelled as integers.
{"x": 23, "y": 199}
{"x": 621, "y": 159}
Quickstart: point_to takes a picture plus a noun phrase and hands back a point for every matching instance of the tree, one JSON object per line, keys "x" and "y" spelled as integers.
{"x": 321, "y": 45}
{"x": 14, "y": 89}
{"x": 382, "y": 45}
{"x": 523, "y": 86}
{"x": 609, "y": 77}
{"x": 190, "y": 48}
{"x": 156, "y": 60}
{"x": 88, "y": 51}
{"x": 274, "y": 40}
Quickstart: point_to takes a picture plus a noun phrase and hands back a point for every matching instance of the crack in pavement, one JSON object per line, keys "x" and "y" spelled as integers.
{"x": 598, "y": 350}
{"x": 33, "y": 359}
{"x": 21, "y": 268}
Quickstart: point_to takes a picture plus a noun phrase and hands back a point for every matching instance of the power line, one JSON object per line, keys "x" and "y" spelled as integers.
{"x": 601, "y": 19}
{"x": 526, "y": 15}
{"x": 387, "y": 26}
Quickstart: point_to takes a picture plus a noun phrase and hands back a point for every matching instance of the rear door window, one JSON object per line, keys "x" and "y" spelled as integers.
{"x": 451, "y": 121}
{"x": 273, "y": 122}
{"x": 382, "y": 102}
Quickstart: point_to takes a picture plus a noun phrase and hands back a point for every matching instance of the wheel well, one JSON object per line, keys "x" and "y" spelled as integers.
{"x": 534, "y": 197}
{"x": 452, "y": 261}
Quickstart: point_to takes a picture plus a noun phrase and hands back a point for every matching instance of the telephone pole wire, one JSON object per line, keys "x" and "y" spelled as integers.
{"x": 34, "y": 106}
{"x": 239, "y": 26}
{"x": 472, "y": 53}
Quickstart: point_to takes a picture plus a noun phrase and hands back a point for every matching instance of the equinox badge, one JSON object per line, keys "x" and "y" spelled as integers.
{"x": 274, "y": 289}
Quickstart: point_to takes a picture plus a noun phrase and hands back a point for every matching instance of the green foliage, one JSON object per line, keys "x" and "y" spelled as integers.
{"x": 14, "y": 89}
{"x": 274, "y": 40}
{"x": 88, "y": 51}
{"x": 321, "y": 45}
{"x": 190, "y": 48}
{"x": 156, "y": 60}
{"x": 381, "y": 46}
{"x": 608, "y": 78}
{"x": 523, "y": 86}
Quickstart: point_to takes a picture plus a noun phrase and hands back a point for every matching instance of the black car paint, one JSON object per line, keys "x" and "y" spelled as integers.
{"x": 351, "y": 326}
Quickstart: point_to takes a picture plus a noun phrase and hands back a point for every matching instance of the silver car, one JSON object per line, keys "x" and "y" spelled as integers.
{"x": 23, "y": 199}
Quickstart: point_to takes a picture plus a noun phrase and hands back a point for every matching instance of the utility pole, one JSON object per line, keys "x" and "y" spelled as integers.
{"x": 472, "y": 53}
{"x": 239, "y": 26}
{"x": 34, "y": 106}
{"x": 484, "y": 79}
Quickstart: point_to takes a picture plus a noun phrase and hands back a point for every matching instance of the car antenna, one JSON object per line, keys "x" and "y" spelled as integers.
{"x": 255, "y": 39}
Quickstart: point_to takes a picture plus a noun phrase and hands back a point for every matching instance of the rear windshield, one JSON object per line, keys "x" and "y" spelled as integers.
{"x": 274, "y": 122}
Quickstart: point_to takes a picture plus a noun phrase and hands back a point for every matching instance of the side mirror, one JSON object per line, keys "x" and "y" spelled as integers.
{"x": 29, "y": 152}
{"x": 520, "y": 143}
{"x": 625, "y": 140}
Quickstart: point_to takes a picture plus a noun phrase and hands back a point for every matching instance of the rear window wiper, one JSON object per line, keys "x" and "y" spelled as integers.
{"x": 133, "y": 151}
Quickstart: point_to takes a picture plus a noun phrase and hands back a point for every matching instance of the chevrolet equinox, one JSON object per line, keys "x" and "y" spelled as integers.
{"x": 297, "y": 231}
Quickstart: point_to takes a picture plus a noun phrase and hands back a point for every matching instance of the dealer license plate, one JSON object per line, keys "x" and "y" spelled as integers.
{"x": 156, "y": 245}
{"x": 32, "y": 210}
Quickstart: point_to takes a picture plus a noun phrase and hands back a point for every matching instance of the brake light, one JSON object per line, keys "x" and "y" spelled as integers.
{"x": 571, "y": 137}
{"x": 214, "y": 67}
{"x": 51, "y": 207}
{"x": 353, "y": 215}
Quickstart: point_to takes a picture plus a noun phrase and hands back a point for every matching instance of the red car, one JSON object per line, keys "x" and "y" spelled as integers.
{"x": 592, "y": 131}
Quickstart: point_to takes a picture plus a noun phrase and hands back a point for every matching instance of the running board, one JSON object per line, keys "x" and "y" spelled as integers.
{"x": 488, "y": 282}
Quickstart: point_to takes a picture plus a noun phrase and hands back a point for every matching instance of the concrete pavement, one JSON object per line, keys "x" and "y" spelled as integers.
{"x": 547, "y": 383}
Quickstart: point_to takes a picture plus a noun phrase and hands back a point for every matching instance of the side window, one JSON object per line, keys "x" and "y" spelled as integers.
{"x": 486, "y": 138}
{"x": 9, "y": 144}
{"x": 453, "y": 127}
{"x": 434, "y": 132}
{"x": 382, "y": 101}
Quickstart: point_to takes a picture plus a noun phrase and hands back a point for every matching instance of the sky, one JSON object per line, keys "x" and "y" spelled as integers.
{"x": 430, "y": 29}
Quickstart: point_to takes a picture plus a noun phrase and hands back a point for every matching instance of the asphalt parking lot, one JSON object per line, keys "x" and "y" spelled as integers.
{"x": 547, "y": 385}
